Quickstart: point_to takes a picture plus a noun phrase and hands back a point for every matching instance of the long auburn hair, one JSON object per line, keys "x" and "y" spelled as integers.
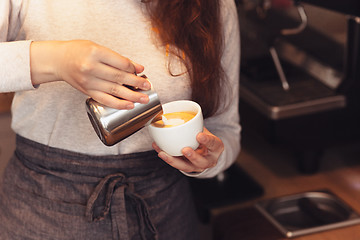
{"x": 194, "y": 28}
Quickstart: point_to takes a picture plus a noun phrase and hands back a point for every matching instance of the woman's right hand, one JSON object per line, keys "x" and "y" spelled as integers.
{"x": 90, "y": 68}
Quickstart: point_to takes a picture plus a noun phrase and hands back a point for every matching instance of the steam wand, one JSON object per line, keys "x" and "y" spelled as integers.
{"x": 291, "y": 31}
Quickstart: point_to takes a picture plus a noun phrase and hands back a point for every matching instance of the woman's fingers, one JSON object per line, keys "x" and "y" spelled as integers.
{"x": 111, "y": 74}
{"x": 111, "y": 101}
{"x": 210, "y": 141}
{"x": 192, "y": 161}
{"x": 198, "y": 159}
{"x": 109, "y": 98}
{"x": 117, "y": 90}
{"x": 205, "y": 156}
{"x": 114, "y": 59}
{"x": 180, "y": 163}
{"x": 172, "y": 161}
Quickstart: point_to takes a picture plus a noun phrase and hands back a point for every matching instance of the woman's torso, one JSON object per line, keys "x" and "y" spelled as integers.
{"x": 54, "y": 114}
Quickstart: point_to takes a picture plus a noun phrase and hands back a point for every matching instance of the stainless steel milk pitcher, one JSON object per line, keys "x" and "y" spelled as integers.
{"x": 113, "y": 125}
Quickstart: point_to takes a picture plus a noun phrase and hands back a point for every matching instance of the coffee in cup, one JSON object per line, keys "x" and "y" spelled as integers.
{"x": 177, "y": 127}
{"x": 173, "y": 119}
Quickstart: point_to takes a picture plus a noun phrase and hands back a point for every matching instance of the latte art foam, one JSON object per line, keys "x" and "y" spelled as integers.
{"x": 173, "y": 119}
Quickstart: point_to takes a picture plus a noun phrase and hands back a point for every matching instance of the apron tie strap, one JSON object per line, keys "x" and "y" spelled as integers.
{"x": 116, "y": 187}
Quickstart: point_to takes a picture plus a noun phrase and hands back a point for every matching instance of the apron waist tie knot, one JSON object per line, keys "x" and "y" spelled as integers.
{"x": 116, "y": 188}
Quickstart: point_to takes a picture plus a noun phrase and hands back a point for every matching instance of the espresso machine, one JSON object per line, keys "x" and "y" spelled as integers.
{"x": 300, "y": 84}
{"x": 299, "y": 88}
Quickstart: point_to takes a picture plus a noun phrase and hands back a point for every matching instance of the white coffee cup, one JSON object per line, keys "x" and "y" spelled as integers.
{"x": 173, "y": 139}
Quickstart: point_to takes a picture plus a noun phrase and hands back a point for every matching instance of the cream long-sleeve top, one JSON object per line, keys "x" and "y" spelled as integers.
{"x": 54, "y": 113}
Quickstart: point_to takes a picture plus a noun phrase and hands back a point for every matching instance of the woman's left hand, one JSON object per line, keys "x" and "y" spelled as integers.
{"x": 196, "y": 161}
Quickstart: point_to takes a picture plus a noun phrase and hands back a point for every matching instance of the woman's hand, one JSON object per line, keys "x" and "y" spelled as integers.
{"x": 90, "y": 68}
{"x": 206, "y": 156}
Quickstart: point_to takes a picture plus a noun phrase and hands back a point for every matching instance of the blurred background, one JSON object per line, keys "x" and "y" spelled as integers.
{"x": 298, "y": 174}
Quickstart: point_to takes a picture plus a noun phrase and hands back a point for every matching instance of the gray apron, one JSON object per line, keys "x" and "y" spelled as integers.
{"x": 49, "y": 193}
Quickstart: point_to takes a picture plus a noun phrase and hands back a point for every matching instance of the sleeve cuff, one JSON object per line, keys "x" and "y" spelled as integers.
{"x": 15, "y": 71}
{"x": 195, "y": 174}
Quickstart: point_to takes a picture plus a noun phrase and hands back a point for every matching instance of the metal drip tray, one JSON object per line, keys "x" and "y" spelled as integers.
{"x": 308, "y": 212}
{"x": 261, "y": 88}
